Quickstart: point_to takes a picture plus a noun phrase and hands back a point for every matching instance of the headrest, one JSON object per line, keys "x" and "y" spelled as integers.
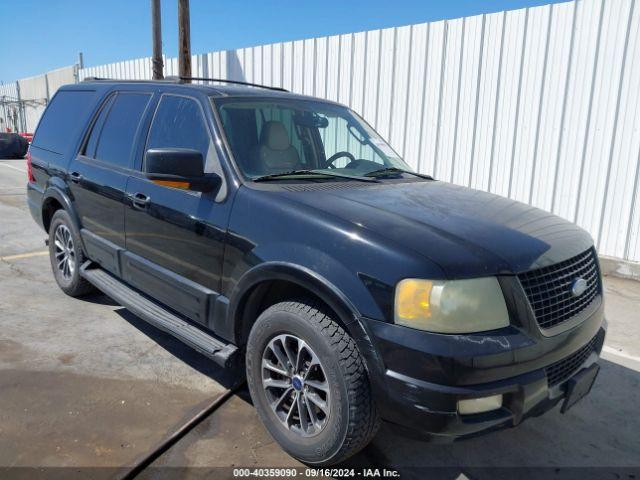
{"x": 275, "y": 136}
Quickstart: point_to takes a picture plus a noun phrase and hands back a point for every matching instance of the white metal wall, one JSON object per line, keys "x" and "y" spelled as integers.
{"x": 29, "y": 97}
{"x": 8, "y": 108}
{"x": 37, "y": 91}
{"x": 541, "y": 105}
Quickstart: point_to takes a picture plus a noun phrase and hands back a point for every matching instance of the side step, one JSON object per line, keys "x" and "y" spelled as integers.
{"x": 158, "y": 316}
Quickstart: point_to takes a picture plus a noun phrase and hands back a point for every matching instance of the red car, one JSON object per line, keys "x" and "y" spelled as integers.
{"x": 27, "y": 136}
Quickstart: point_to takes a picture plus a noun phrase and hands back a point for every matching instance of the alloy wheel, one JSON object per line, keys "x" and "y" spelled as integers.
{"x": 65, "y": 254}
{"x": 295, "y": 384}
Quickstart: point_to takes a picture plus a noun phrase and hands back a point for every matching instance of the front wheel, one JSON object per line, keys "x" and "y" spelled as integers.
{"x": 308, "y": 384}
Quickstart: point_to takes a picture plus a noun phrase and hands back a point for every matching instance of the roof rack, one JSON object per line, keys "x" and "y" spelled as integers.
{"x": 94, "y": 79}
{"x": 234, "y": 82}
{"x": 172, "y": 79}
{"x": 105, "y": 79}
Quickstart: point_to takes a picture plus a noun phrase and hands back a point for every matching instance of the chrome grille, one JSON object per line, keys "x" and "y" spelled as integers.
{"x": 549, "y": 289}
{"x": 562, "y": 370}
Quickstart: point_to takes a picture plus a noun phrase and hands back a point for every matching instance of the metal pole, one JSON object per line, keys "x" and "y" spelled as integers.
{"x": 184, "y": 39}
{"x": 22, "y": 124}
{"x": 6, "y": 117}
{"x": 46, "y": 86}
{"x": 156, "y": 33}
{"x": 78, "y": 66}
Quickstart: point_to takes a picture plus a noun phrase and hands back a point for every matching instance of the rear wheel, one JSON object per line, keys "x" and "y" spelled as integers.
{"x": 308, "y": 383}
{"x": 65, "y": 253}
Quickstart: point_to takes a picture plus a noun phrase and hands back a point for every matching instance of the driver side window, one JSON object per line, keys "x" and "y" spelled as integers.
{"x": 180, "y": 123}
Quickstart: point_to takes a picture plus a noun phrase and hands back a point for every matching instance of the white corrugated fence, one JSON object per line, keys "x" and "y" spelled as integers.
{"x": 541, "y": 105}
{"x": 22, "y": 102}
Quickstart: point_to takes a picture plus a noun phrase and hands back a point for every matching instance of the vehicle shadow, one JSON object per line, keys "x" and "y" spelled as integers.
{"x": 598, "y": 437}
{"x": 228, "y": 378}
{"x": 99, "y": 298}
{"x": 600, "y": 432}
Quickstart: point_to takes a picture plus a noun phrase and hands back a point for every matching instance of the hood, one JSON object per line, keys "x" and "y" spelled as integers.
{"x": 466, "y": 232}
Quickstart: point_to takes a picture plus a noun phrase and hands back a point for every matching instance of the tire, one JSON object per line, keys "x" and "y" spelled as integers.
{"x": 67, "y": 245}
{"x": 349, "y": 420}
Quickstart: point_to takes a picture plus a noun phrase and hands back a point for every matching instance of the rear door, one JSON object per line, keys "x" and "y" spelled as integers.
{"x": 175, "y": 238}
{"x": 98, "y": 175}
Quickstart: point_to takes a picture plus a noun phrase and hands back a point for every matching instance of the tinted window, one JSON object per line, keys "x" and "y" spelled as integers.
{"x": 92, "y": 143}
{"x": 63, "y": 119}
{"x": 119, "y": 130}
{"x": 179, "y": 123}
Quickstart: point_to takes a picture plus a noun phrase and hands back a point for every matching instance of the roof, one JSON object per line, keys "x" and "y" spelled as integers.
{"x": 215, "y": 88}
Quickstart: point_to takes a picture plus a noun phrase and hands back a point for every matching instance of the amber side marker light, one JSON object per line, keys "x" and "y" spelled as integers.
{"x": 172, "y": 184}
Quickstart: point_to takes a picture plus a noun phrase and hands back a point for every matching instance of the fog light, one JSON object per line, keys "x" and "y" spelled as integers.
{"x": 479, "y": 405}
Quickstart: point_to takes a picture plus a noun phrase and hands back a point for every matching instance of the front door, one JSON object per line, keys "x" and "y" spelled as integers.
{"x": 175, "y": 238}
{"x": 98, "y": 175}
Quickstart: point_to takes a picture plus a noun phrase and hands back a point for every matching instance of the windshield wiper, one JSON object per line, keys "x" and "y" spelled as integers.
{"x": 275, "y": 176}
{"x": 396, "y": 170}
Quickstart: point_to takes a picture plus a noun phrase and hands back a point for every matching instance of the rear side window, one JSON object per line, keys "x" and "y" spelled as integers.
{"x": 120, "y": 127}
{"x": 65, "y": 116}
{"x": 92, "y": 142}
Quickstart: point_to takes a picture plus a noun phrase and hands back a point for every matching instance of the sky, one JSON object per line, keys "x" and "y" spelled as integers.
{"x": 37, "y": 36}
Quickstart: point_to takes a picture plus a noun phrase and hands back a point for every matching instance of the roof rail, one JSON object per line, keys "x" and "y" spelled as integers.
{"x": 104, "y": 79}
{"x": 93, "y": 79}
{"x": 235, "y": 82}
{"x": 173, "y": 79}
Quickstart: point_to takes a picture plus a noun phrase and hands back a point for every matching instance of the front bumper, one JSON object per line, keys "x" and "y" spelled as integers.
{"x": 524, "y": 396}
{"x": 429, "y": 408}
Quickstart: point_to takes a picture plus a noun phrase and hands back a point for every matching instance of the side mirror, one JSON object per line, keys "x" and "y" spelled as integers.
{"x": 179, "y": 168}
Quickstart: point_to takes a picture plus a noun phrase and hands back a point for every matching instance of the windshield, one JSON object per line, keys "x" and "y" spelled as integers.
{"x": 269, "y": 137}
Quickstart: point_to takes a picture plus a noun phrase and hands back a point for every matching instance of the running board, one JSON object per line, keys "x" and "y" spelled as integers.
{"x": 158, "y": 316}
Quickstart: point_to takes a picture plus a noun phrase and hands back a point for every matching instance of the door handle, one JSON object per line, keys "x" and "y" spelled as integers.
{"x": 140, "y": 201}
{"x": 75, "y": 177}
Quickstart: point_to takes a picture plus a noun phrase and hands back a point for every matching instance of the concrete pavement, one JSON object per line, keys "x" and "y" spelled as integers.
{"x": 86, "y": 383}
{"x": 82, "y": 382}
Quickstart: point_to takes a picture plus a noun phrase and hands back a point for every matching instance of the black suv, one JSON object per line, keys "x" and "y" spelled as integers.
{"x": 280, "y": 232}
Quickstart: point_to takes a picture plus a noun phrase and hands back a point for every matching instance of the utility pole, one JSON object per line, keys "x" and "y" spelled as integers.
{"x": 5, "y": 122}
{"x": 184, "y": 39}
{"x": 76, "y": 71}
{"x": 156, "y": 30}
{"x": 46, "y": 86}
{"x": 23, "y": 123}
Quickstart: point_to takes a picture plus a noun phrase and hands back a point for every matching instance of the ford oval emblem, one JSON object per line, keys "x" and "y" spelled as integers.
{"x": 578, "y": 286}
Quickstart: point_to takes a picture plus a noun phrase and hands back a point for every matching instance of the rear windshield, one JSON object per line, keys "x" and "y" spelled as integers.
{"x": 62, "y": 120}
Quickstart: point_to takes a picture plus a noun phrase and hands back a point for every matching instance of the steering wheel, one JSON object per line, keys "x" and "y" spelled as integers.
{"x": 331, "y": 160}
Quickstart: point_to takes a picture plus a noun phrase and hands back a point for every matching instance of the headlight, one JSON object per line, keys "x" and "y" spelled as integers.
{"x": 456, "y": 306}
